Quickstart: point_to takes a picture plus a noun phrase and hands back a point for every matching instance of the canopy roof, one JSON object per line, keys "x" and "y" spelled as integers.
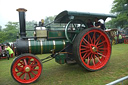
{"x": 66, "y": 16}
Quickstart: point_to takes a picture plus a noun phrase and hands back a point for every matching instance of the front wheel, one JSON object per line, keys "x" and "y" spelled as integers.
{"x": 92, "y": 49}
{"x": 26, "y": 68}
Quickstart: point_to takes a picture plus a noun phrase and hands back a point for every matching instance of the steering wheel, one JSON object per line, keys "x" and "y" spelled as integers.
{"x": 73, "y": 28}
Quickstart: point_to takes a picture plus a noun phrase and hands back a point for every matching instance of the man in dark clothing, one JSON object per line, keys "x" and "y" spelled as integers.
{"x": 89, "y": 23}
{"x": 97, "y": 23}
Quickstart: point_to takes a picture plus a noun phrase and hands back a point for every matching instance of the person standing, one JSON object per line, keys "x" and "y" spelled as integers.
{"x": 7, "y": 48}
{"x": 0, "y": 50}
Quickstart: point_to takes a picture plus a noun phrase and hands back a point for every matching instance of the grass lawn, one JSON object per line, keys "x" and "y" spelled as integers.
{"x": 56, "y": 74}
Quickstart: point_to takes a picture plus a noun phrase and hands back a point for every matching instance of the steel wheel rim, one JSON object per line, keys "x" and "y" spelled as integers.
{"x": 27, "y": 71}
{"x": 95, "y": 49}
{"x": 72, "y": 25}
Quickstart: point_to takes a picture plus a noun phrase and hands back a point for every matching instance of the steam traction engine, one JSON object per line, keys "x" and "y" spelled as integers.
{"x": 73, "y": 42}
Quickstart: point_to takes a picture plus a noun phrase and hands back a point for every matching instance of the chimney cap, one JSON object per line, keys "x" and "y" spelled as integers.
{"x": 21, "y": 10}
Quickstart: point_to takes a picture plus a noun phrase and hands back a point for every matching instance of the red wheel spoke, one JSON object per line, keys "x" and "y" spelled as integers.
{"x": 21, "y": 75}
{"x": 33, "y": 73}
{"x": 88, "y": 62}
{"x": 101, "y": 42}
{"x": 84, "y": 57}
{"x": 33, "y": 62}
{"x": 102, "y": 55}
{"x": 82, "y": 49}
{"x": 85, "y": 51}
{"x": 98, "y": 42}
{"x": 89, "y": 38}
{"x": 85, "y": 46}
{"x": 98, "y": 39}
{"x": 21, "y": 62}
{"x": 86, "y": 41}
{"x": 102, "y": 48}
{"x": 87, "y": 55}
{"x": 29, "y": 75}
{"x": 25, "y": 62}
{"x": 97, "y": 59}
{"x": 100, "y": 45}
{"x": 93, "y": 60}
{"x": 35, "y": 69}
{"x": 98, "y": 56}
{"x": 25, "y": 75}
{"x": 29, "y": 61}
{"x": 34, "y": 66}
{"x": 101, "y": 51}
{"x": 19, "y": 68}
{"x": 93, "y": 38}
{"x": 17, "y": 72}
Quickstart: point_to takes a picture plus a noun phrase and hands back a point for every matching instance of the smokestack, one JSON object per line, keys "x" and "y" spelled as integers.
{"x": 22, "y": 22}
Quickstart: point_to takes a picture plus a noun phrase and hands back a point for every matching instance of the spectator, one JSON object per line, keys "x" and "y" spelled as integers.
{"x": 89, "y": 23}
{"x": 97, "y": 23}
{"x": 0, "y": 51}
{"x": 7, "y": 48}
{"x": 0, "y": 48}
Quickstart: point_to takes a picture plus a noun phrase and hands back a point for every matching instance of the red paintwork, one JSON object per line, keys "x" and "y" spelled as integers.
{"x": 21, "y": 75}
{"x": 95, "y": 59}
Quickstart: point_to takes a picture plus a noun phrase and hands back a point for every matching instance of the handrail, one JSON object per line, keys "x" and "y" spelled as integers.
{"x": 118, "y": 81}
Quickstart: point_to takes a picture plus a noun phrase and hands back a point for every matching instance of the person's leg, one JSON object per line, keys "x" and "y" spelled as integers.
{"x": 11, "y": 55}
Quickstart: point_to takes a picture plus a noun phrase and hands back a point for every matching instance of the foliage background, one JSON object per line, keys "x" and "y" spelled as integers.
{"x": 120, "y": 8}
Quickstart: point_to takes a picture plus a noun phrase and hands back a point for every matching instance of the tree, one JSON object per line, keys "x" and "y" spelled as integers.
{"x": 0, "y": 28}
{"x": 9, "y": 33}
{"x": 49, "y": 19}
{"x": 111, "y": 24}
{"x": 30, "y": 26}
{"x": 120, "y": 8}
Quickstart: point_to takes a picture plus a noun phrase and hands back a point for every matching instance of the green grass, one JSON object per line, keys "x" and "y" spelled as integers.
{"x": 56, "y": 74}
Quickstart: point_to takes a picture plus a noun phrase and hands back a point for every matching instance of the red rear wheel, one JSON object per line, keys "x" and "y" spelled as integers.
{"x": 26, "y": 68}
{"x": 92, "y": 49}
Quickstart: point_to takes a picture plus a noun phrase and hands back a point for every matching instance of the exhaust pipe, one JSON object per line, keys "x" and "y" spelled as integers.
{"x": 22, "y": 22}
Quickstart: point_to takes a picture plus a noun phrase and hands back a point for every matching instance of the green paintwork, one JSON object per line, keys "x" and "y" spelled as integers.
{"x": 60, "y": 58}
{"x": 56, "y": 34}
{"x": 66, "y": 16}
{"x": 46, "y": 46}
{"x": 35, "y": 47}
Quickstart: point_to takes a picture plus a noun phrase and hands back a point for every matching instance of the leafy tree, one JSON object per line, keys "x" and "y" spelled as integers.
{"x": 111, "y": 24}
{"x": 9, "y": 33}
{"x": 120, "y": 8}
{"x": 30, "y": 26}
{"x": 49, "y": 19}
{"x": 49, "y": 23}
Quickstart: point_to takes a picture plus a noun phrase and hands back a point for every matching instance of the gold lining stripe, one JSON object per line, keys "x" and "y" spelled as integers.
{"x": 54, "y": 44}
{"x": 29, "y": 45}
{"x": 41, "y": 46}
{"x": 64, "y": 43}
{"x": 65, "y": 52}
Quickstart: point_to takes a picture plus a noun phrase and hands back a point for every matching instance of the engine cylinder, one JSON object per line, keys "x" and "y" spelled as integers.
{"x": 39, "y": 46}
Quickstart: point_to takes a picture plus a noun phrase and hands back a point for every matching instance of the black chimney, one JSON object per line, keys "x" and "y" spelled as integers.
{"x": 22, "y": 22}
